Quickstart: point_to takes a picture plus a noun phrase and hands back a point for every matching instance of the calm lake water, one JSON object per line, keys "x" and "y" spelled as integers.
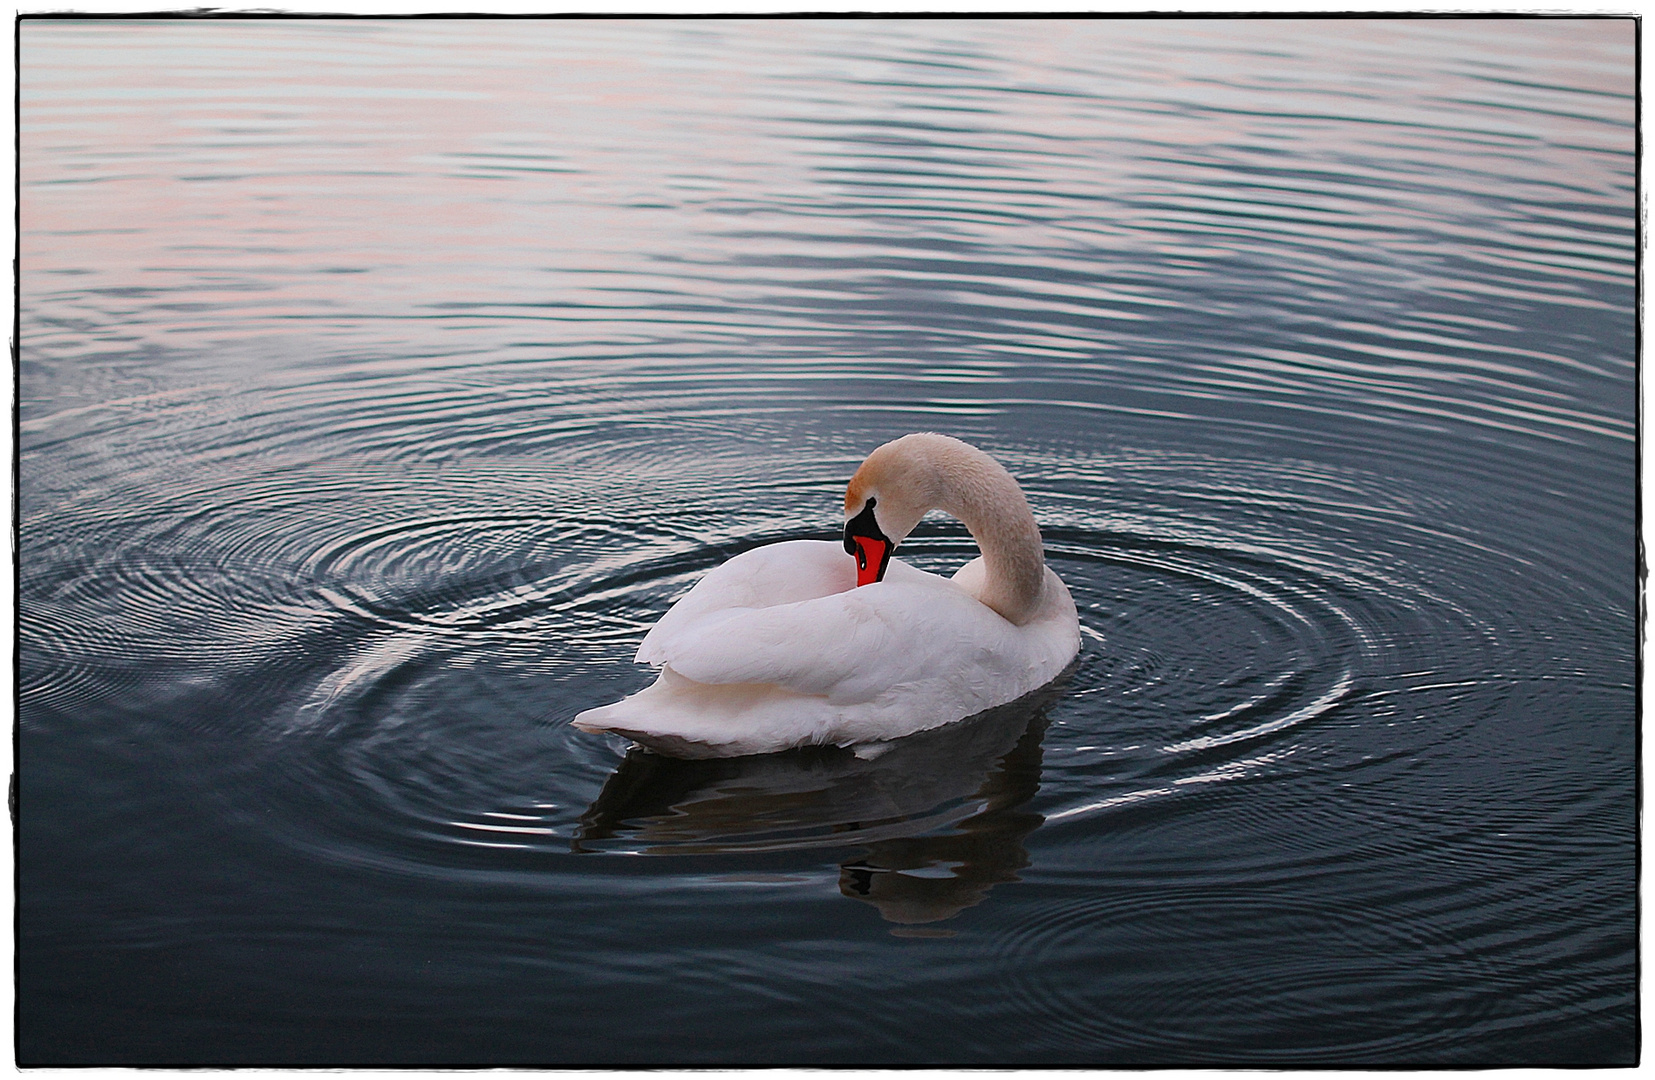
{"x": 382, "y": 382}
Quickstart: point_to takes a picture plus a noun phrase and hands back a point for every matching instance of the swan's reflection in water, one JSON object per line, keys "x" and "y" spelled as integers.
{"x": 935, "y": 815}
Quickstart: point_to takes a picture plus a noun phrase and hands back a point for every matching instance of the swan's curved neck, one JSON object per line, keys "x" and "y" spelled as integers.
{"x": 991, "y": 505}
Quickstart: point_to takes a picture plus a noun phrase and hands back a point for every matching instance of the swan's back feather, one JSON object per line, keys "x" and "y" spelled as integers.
{"x": 779, "y": 573}
{"x": 847, "y": 647}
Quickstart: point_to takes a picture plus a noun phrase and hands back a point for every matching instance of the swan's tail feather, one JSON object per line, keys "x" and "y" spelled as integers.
{"x": 670, "y": 745}
{"x": 683, "y": 718}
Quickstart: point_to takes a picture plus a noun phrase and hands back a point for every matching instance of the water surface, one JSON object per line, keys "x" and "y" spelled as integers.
{"x": 382, "y": 382}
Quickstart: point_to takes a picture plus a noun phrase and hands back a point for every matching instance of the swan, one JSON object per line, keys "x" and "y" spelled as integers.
{"x": 810, "y": 642}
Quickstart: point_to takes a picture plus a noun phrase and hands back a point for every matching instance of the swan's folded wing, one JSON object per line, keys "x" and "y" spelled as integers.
{"x": 780, "y": 573}
{"x": 847, "y": 647}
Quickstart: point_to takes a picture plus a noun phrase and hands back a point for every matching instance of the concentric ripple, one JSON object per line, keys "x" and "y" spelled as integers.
{"x": 1203, "y": 663}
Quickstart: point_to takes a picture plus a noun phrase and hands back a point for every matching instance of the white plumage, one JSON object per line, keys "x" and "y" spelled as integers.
{"x": 779, "y": 647}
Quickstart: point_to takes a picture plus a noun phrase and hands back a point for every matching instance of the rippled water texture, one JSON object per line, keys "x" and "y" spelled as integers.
{"x": 382, "y": 383}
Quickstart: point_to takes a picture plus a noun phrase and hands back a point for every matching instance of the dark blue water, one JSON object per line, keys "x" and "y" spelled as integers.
{"x": 382, "y": 382}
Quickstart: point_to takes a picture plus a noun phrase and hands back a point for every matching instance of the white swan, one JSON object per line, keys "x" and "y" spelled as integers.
{"x": 798, "y": 644}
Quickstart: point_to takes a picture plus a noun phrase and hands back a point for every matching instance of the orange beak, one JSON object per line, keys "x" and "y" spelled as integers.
{"x": 870, "y": 559}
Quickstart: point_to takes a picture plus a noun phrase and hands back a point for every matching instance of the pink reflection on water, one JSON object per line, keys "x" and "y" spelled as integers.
{"x": 274, "y": 173}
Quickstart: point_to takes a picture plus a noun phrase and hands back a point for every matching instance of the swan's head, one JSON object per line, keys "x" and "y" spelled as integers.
{"x": 892, "y": 490}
